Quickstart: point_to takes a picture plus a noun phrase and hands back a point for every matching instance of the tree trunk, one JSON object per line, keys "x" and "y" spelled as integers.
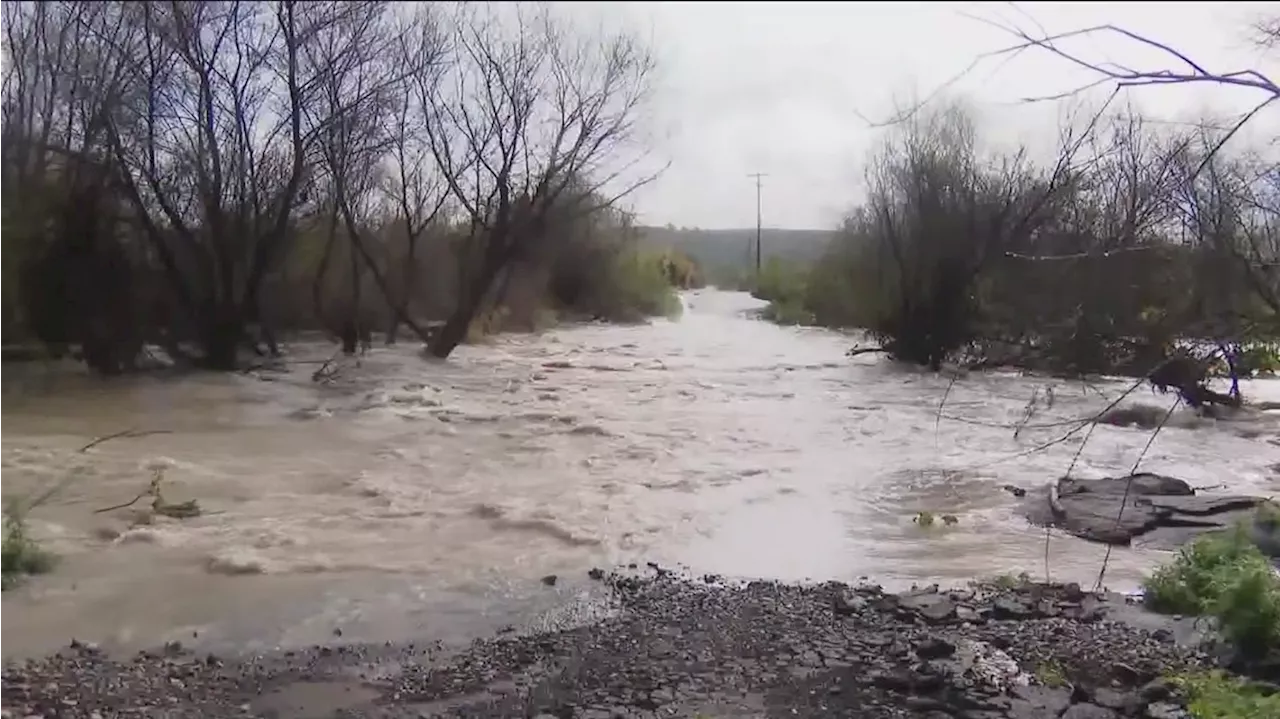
{"x": 455, "y": 328}
{"x": 454, "y": 331}
{"x": 222, "y": 338}
{"x": 350, "y": 336}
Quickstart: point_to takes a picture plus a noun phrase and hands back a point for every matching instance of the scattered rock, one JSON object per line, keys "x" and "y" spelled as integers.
{"x": 679, "y": 647}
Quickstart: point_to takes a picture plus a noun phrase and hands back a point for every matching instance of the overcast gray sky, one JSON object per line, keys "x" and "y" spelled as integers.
{"x": 778, "y": 88}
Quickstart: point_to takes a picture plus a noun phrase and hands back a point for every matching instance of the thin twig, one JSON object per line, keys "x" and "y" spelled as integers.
{"x": 937, "y": 417}
{"x": 1069, "y": 434}
{"x": 125, "y": 433}
{"x": 1124, "y": 499}
{"x": 130, "y": 503}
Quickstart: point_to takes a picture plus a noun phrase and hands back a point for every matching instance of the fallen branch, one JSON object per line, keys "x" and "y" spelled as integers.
{"x": 179, "y": 510}
{"x": 130, "y": 503}
{"x": 280, "y": 365}
{"x": 324, "y": 373}
{"x": 125, "y": 433}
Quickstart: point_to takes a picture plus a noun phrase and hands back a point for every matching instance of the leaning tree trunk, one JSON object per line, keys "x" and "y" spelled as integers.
{"x": 223, "y": 331}
{"x": 454, "y": 330}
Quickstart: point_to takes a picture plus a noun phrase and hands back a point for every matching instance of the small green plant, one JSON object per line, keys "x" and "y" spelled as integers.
{"x": 1227, "y": 577}
{"x": 1215, "y": 695}
{"x": 20, "y": 555}
{"x": 1051, "y": 674}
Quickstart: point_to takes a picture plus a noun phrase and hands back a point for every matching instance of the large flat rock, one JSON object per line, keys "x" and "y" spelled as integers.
{"x": 1118, "y": 510}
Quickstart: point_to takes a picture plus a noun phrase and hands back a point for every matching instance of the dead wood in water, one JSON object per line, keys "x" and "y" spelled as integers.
{"x": 119, "y": 435}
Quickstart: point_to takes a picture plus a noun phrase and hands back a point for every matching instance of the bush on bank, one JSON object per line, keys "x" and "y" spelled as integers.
{"x": 1217, "y": 695}
{"x": 1224, "y": 576}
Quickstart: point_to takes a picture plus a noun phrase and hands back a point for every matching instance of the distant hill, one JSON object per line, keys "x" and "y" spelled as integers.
{"x": 735, "y": 249}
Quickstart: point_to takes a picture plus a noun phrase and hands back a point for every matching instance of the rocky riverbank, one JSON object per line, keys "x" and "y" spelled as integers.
{"x": 676, "y": 647}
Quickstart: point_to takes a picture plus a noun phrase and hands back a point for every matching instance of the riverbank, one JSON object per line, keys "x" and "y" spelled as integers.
{"x": 675, "y": 646}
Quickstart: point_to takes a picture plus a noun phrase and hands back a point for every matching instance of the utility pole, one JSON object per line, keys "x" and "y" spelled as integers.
{"x": 759, "y": 224}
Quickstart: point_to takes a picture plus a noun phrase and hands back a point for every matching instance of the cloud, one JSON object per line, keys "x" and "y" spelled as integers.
{"x": 778, "y": 88}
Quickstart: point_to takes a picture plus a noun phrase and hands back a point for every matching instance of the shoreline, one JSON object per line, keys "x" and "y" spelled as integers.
{"x": 674, "y": 645}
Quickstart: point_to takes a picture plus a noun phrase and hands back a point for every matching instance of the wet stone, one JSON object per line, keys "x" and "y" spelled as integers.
{"x": 934, "y": 648}
{"x": 1112, "y": 699}
{"x": 1087, "y": 711}
{"x": 1152, "y": 504}
{"x": 1165, "y": 710}
{"x": 1045, "y": 701}
{"x": 932, "y": 607}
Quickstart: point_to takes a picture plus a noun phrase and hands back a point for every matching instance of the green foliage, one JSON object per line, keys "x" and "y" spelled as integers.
{"x": 788, "y": 312}
{"x": 1259, "y": 358}
{"x": 1216, "y": 695}
{"x": 20, "y": 555}
{"x": 1051, "y": 674}
{"x": 781, "y": 280}
{"x": 1227, "y": 577}
{"x": 640, "y": 286}
{"x": 730, "y": 254}
{"x": 786, "y": 286}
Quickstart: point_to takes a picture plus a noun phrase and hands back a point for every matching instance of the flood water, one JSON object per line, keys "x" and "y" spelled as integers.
{"x": 420, "y": 499}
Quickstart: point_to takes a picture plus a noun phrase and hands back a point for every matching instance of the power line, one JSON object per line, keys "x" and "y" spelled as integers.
{"x": 759, "y": 217}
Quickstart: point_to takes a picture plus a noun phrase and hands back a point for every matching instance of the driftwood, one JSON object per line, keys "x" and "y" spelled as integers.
{"x": 1188, "y": 376}
{"x": 122, "y": 434}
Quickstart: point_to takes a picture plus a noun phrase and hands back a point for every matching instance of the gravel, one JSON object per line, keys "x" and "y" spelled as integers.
{"x": 677, "y": 647}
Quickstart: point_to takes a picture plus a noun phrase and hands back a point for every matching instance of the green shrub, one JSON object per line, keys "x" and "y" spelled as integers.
{"x": 781, "y": 281}
{"x": 641, "y": 287}
{"x": 20, "y": 555}
{"x": 1224, "y": 576}
{"x": 1215, "y": 695}
{"x": 788, "y": 312}
{"x": 1259, "y": 358}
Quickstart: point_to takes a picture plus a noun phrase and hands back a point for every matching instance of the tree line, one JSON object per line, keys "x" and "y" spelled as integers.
{"x": 1136, "y": 237}
{"x": 204, "y": 174}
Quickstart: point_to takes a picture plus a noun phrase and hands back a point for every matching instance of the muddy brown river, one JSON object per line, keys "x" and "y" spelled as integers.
{"x": 416, "y": 498}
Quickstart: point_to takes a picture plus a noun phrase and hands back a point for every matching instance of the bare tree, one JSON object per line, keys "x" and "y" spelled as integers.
{"x": 938, "y": 214}
{"x": 367, "y": 150}
{"x": 530, "y": 108}
{"x": 415, "y": 187}
{"x": 215, "y": 139}
{"x": 348, "y": 58}
{"x": 1239, "y": 227}
{"x": 67, "y": 269}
